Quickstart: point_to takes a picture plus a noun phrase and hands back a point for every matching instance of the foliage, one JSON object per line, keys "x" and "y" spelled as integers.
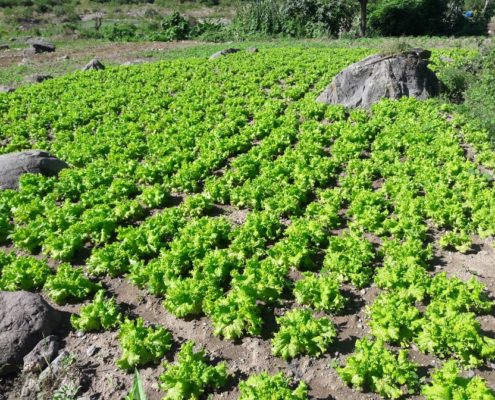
{"x": 69, "y": 284}
{"x": 191, "y": 375}
{"x": 374, "y": 367}
{"x": 142, "y": 345}
{"x": 350, "y": 256}
{"x": 321, "y": 293}
{"x": 22, "y": 273}
{"x": 446, "y": 332}
{"x": 137, "y": 391}
{"x": 296, "y": 18}
{"x": 394, "y": 318}
{"x": 271, "y": 387}
{"x": 98, "y": 314}
{"x": 175, "y": 27}
{"x": 301, "y": 333}
{"x": 397, "y": 17}
{"x": 448, "y": 383}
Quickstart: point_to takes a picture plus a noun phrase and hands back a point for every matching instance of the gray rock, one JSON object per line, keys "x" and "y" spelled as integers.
{"x": 6, "y": 89}
{"x": 41, "y": 46}
{"x": 14, "y": 165}
{"x": 38, "y": 78}
{"x": 43, "y": 353}
{"x": 55, "y": 367}
{"x": 252, "y": 49}
{"x": 224, "y": 52}
{"x": 94, "y": 64}
{"x": 25, "y": 318}
{"x": 376, "y": 77}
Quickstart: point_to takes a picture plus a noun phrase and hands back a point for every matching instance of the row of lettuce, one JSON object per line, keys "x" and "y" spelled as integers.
{"x": 342, "y": 198}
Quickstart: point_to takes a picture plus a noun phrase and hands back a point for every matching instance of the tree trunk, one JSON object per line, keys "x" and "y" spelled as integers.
{"x": 364, "y": 17}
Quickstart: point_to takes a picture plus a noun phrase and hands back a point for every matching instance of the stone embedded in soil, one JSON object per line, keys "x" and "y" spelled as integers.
{"x": 38, "y": 78}
{"x": 25, "y": 319}
{"x": 43, "y": 353}
{"x": 224, "y": 52}
{"x": 93, "y": 65}
{"x": 41, "y": 46}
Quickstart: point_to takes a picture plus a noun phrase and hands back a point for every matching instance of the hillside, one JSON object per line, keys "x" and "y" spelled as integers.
{"x": 218, "y": 200}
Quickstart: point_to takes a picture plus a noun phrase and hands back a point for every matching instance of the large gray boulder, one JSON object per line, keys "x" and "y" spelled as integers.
{"x": 376, "y": 77}
{"x": 41, "y": 46}
{"x": 14, "y": 165}
{"x": 25, "y": 319}
{"x": 223, "y": 53}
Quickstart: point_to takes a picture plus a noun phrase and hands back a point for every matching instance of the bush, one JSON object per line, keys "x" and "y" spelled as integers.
{"x": 455, "y": 81}
{"x": 400, "y": 17}
{"x": 175, "y": 27}
{"x": 479, "y": 105}
{"x": 296, "y": 18}
{"x": 120, "y": 32}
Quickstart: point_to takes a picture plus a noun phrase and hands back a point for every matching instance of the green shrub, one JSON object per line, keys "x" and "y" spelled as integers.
{"x": 479, "y": 103}
{"x": 401, "y": 17}
{"x": 120, "y": 32}
{"x": 296, "y": 18}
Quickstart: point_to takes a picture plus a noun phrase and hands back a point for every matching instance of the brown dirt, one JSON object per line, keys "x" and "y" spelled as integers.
{"x": 66, "y": 58}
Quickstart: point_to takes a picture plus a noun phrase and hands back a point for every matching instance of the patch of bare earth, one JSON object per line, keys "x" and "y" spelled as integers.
{"x": 108, "y": 53}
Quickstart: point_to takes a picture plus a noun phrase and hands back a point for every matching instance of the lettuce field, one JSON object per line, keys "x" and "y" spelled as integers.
{"x": 227, "y": 236}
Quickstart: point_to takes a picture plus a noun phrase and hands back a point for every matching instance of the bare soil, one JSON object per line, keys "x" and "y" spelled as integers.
{"x": 97, "y": 353}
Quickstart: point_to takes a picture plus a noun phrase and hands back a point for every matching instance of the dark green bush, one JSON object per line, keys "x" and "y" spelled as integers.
{"x": 175, "y": 27}
{"x": 455, "y": 81}
{"x": 296, "y": 18}
{"x": 407, "y": 17}
{"x": 479, "y": 103}
{"x": 120, "y": 32}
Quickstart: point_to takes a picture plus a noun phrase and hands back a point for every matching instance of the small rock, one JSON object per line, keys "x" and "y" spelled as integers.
{"x": 29, "y": 388}
{"x": 64, "y": 58}
{"x": 92, "y": 350}
{"x": 360, "y": 326}
{"x": 38, "y": 78}
{"x": 41, "y": 46}
{"x": 6, "y": 89}
{"x": 362, "y": 292}
{"x": 224, "y": 52}
{"x": 93, "y": 65}
{"x": 252, "y": 49}
{"x": 55, "y": 367}
{"x": 43, "y": 353}
{"x": 80, "y": 334}
{"x": 470, "y": 374}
